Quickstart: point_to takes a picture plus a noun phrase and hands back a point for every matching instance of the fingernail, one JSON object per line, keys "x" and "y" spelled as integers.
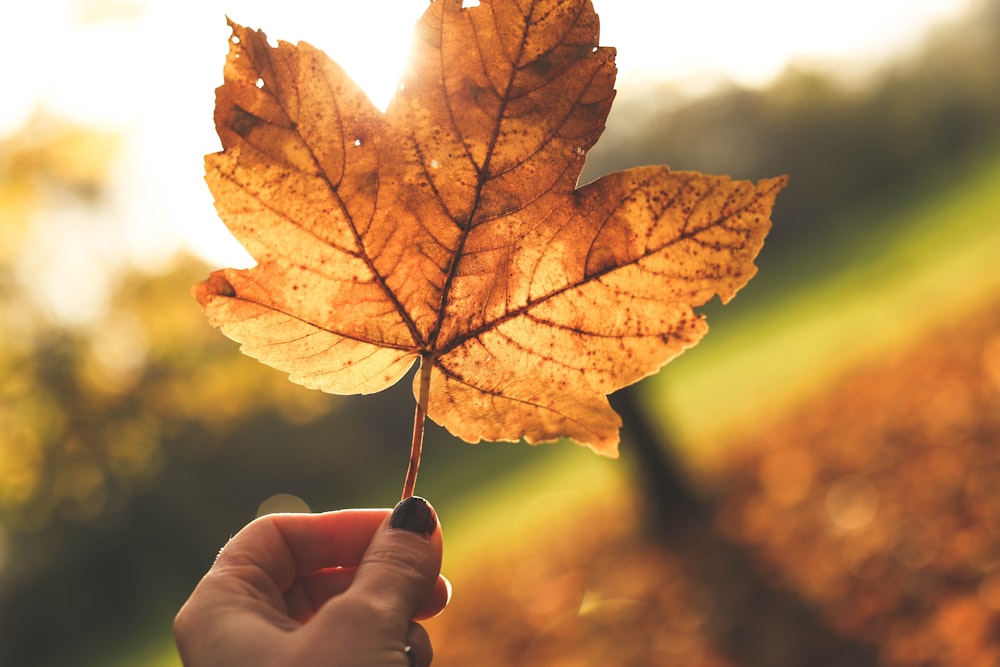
{"x": 415, "y": 515}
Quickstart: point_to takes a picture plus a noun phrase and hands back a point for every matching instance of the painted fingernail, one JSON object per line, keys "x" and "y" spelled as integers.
{"x": 415, "y": 515}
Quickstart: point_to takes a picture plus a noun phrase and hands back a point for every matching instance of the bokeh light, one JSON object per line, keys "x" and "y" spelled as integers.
{"x": 282, "y": 503}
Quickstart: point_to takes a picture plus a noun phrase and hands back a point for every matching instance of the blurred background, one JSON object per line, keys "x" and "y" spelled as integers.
{"x": 818, "y": 482}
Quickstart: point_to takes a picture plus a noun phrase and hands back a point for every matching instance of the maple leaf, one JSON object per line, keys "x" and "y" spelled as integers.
{"x": 450, "y": 230}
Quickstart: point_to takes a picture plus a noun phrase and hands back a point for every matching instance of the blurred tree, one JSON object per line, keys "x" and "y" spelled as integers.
{"x": 94, "y": 412}
{"x": 85, "y": 406}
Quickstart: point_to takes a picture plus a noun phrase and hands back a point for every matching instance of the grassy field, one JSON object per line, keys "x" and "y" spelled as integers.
{"x": 928, "y": 258}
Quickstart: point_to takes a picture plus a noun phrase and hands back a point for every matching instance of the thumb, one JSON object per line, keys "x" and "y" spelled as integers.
{"x": 400, "y": 568}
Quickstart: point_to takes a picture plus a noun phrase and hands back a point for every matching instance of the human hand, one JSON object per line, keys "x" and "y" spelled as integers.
{"x": 339, "y": 589}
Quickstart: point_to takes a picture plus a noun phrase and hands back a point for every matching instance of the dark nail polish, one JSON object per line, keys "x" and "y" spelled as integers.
{"x": 415, "y": 515}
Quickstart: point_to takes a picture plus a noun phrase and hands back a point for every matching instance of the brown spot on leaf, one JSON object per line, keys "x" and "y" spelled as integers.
{"x": 244, "y": 121}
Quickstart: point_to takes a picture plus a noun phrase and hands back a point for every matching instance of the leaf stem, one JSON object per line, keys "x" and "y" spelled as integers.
{"x": 415, "y": 448}
{"x": 417, "y": 444}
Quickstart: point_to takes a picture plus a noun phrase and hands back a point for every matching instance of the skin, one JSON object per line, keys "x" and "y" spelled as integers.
{"x": 340, "y": 589}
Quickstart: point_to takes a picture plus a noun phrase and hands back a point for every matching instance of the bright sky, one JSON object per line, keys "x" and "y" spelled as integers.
{"x": 150, "y": 67}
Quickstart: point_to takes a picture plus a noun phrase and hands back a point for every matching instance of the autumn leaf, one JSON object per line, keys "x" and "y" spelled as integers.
{"x": 450, "y": 229}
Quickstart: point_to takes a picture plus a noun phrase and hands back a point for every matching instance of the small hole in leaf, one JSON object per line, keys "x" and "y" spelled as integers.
{"x": 435, "y": 164}
{"x": 235, "y": 40}
{"x": 469, "y": 3}
{"x": 260, "y": 82}
{"x": 594, "y": 50}
{"x": 357, "y": 142}
{"x": 579, "y": 150}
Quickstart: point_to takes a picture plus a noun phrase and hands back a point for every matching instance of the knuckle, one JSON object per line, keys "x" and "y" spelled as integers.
{"x": 405, "y": 564}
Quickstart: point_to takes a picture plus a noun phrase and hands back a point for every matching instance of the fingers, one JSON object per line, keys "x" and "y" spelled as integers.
{"x": 311, "y": 591}
{"x": 299, "y": 561}
{"x": 398, "y": 572}
{"x": 276, "y": 549}
{"x": 438, "y": 600}
{"x": 309, "y": 558}
{"x": 419, "y": 648}
{"x": 367, "y": 572}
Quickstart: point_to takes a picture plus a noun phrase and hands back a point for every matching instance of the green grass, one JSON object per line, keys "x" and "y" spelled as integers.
{"x": 155, "y": 649}
{"x": 939, "y": 253}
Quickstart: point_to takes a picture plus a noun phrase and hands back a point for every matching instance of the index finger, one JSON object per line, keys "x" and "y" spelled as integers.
{"x": 286, "y": 546}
